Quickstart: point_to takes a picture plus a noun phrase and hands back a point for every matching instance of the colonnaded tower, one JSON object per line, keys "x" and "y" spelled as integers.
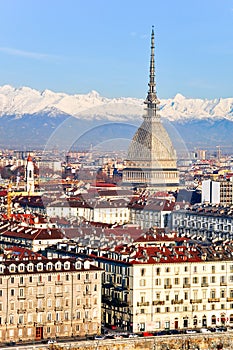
{"x": 151, "y": 161}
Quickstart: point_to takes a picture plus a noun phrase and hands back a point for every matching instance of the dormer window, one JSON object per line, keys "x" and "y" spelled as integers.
{"x": 2, "y": 267}
{"x": 67, "y": 265}
{"x": 78, "y": 265}
{"x": 12, "y": 268}
{"x": 30, "y": 267}
{"x": 49, "y": 266}
{"x": 21, "y": 268}
{"x": 40, "y": 267}
{"x": 58, "y": 265}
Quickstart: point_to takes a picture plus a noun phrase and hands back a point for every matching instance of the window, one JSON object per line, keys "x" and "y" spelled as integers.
{"x": 49, "y": 278}
{"x": 186, "y": 269}
{"x": 12, "y": 292}
{"x": 78, "y": 276}
{"x": 213, "y": 294}
{"x": 195, "y": 280}
{"x": 167, "y": 269}
{"x": 30, "y": 279}
{"x": 185, "y": 295}
{"x": 142, "y": 272}
{"x": 177, "y": 281}
{"x": 158, "y": 271}
{"x": 212, "y": 279}
{"x": 195, "y": 269}
{"x": 223, "y": 293}
{"x": 67, "y": 277}
{"x": 12, "y": 280}
{"x": 142, "y": 283}
{"x": 222, "y": 267}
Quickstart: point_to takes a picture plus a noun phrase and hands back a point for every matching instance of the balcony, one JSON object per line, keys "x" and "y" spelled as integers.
{"x": 58, "y": 294}
{"x": 230, "y": 299}
{"x": 87, "y": 281}
{"x": 21, "y": 297}
{"x": 205, "y": 284}
{"x": 116, "y": 302}
{"x": 40, "y": 295}
{"x": 167, "y": 286}
{"x": 181, "y": 301}
{"x": 158, "y": 302}
{"x": 58, "y": 322}
{"x": 195, "y": 301}
{"x": 213, "y": 300}
{"x": 186, "y": 285}
{"x": 87, "y": 293}
{"x": 87, "y": 306}
{"x": 40, "y": 309}
{"x": 19, "y": 325}
{"x": 21, "y": 285}
{"x": 21, "y": 311}
{"x": 106, "y": 299}
{"x": 58, "y": 283}
{"x": 40, "y": 283}
{"x": 38, "y": 324}
{"x": 223, "y": 283}
{"x": 108, "y": 285}
{"x": 145, "y": 303}
{"x": 58, "y": 308}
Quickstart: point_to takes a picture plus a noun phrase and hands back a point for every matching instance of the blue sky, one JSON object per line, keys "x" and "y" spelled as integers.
{"x": 76, "y": 46}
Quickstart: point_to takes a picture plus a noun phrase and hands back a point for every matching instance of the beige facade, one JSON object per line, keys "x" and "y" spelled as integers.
{"x": 185, "y": 295}
{"x": 47, "y": 298}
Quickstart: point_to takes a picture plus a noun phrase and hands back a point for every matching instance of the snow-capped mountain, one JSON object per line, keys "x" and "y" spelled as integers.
{"x": 24, "y": 100}
{"x": 34, "y": 119}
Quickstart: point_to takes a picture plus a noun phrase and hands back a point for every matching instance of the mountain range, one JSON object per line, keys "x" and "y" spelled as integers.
{"x": 29, "y": 118}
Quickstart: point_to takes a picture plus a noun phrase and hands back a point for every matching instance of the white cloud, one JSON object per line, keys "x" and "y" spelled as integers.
{"x": 29, "y": 54}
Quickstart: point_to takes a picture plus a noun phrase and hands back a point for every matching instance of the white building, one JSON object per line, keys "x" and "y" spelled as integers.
{"x": 217, "y": 192}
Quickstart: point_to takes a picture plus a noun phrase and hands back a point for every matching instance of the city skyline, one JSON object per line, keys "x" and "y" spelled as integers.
{"x": 75, "y": 47}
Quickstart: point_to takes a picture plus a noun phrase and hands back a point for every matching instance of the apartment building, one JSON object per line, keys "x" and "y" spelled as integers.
{"x": 217, "y": 192}
{"x": 44, "y": 298}
{"x": 204, "y": 221}
{"x": 163, "y": 281}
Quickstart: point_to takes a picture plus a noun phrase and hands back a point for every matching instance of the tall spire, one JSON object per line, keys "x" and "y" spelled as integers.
{"x": 151, "y": 99}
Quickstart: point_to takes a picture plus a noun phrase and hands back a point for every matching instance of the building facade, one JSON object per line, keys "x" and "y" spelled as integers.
{"x": 217, "y": 192}
{"x": 163, "y": 282}
{"x": 42, "y": 299}
{"x": 212, "y": 222}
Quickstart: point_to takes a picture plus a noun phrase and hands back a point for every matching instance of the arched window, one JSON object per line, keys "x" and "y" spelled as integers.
{"x": 204, "y": 321}
{"x": 195, "y": 321}
{"x": 213, "y": 319}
